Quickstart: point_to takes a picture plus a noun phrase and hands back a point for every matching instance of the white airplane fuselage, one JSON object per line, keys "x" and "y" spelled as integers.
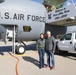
{"x": 27, "y": 16}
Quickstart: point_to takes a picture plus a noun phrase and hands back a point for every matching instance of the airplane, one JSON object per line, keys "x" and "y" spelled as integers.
{"x": 21, "y": 20}
{"x": 25, "y": 20}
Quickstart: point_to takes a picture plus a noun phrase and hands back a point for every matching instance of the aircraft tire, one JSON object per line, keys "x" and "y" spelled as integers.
{"x": 20, "y": 49}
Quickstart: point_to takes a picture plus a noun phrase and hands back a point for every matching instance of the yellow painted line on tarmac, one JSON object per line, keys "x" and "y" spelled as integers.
{"x": 27, "y": 54}
{"x": 21, "y": 55}
{"x": 5, "y": 57}
{"x": 8, "y": 56}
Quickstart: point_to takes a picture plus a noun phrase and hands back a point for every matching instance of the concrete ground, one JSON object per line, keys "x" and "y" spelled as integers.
{"x": 29, "y": 63}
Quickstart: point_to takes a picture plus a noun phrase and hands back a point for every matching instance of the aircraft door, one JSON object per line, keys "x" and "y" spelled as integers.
{"x": 3, "y": 33}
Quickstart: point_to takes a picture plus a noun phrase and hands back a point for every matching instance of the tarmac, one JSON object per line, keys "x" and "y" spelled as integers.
{"x": 65, "y": 64}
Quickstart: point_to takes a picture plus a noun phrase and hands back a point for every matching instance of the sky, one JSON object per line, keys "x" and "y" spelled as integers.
{"x": 39, "y": 1}
{"x": 69, "y": 2}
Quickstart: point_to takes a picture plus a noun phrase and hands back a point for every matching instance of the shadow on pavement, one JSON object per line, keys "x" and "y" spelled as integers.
{"x": 9, "y": 48}
{"x": 69, "y": 55}
{"x": 31, "y": 47}
{"x": 5, "y": 49}
{"x": 32, "y": 60}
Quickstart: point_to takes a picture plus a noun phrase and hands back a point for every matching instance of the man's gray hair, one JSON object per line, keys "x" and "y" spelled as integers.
{"x": 48, "y": 32}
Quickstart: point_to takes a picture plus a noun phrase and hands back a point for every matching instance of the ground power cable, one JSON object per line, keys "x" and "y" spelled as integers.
{"x": 16, "y": 68}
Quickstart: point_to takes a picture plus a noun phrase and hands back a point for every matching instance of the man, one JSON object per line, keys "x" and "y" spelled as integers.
{"x": 50, "y": 45}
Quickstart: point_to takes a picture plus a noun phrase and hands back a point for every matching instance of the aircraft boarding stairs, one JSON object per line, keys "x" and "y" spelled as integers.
{"x": 65, "y": 16}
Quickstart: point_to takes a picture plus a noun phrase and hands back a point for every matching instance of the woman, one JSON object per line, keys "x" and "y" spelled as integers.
{"x": 41, "y": 49}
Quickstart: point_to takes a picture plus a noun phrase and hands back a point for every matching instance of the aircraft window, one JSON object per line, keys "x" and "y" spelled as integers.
{"x": 26, "y": 28}
{"x": 66, "y": 37}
